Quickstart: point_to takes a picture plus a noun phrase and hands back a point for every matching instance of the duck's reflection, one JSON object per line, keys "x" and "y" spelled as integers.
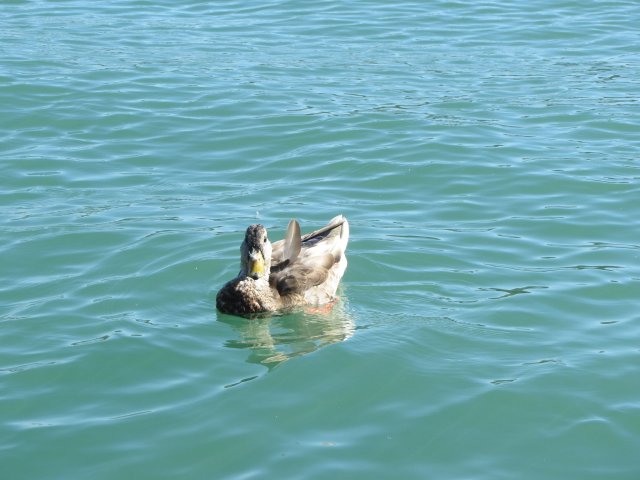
{"x": 276, "y": 339}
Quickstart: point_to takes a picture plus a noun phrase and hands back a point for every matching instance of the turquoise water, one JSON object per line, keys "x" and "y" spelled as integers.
{"x": 487, "y": 155}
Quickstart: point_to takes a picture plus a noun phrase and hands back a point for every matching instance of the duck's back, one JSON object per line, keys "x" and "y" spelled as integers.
{"x": 315, "y": 272}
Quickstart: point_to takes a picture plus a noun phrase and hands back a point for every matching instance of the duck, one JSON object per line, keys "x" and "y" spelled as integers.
{"x": 299, "y": 270}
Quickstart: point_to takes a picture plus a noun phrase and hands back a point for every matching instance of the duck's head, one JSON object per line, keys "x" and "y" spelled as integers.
{"x": 255, "y": 253}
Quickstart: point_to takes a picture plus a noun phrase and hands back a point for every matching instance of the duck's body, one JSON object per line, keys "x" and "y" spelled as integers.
{"x": 298, "y": 270}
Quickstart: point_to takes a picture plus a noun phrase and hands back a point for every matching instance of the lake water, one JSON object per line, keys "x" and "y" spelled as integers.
{"x": 487, "y": 156}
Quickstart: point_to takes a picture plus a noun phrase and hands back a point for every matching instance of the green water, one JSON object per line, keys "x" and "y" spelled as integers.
{"x": 487, "y": 156}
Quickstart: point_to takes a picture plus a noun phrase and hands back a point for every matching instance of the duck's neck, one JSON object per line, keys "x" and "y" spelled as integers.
{"x": 260, "y": 291}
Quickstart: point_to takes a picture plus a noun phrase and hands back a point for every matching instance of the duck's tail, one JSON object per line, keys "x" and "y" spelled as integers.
{"x": 337, "y": 227}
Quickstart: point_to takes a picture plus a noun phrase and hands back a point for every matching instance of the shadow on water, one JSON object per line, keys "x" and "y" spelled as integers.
{"x": 272, "y": 340}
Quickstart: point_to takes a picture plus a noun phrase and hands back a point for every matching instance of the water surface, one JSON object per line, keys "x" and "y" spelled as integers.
{"x": 486, "y": 155}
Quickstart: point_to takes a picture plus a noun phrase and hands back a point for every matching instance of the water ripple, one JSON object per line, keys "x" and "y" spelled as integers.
{"x": 485, "y": 154}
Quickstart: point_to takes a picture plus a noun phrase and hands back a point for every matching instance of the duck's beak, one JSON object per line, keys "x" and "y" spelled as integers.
{"x": 256, "y": 265}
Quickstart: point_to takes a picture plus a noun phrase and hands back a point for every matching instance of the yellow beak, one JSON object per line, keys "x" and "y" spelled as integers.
{"x": 256, "y": 266}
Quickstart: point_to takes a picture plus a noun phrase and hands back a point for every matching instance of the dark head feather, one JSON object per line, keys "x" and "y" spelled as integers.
{"x": 255, "y": 236}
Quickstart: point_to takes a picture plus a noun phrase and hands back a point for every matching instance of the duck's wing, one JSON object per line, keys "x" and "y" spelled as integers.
{"x": 287, "y": 249}
{"x": 320, "y": 261}
{"x": 292, "y": 241}
{"x": 332, "y": 238}
{"x": 330, "y": 229}
{"x": 306, "y": 272}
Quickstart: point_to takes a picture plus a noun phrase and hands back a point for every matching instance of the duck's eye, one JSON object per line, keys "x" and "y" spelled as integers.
{"x": 264, "y": 240}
